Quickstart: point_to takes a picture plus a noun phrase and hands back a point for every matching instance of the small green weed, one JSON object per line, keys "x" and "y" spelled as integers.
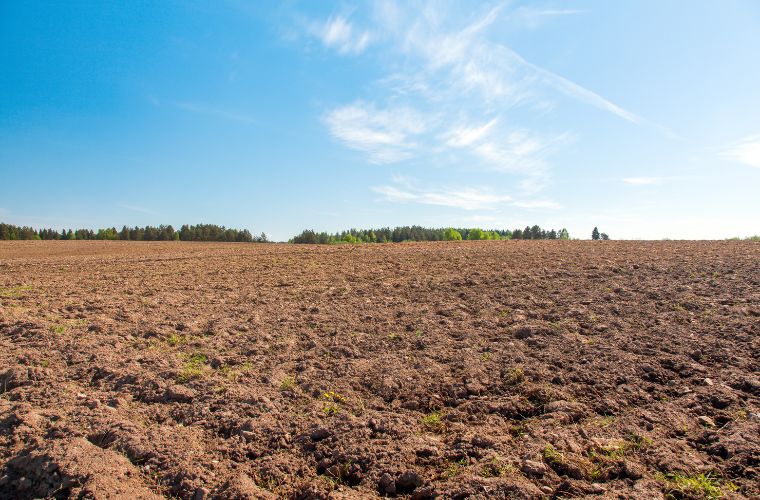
{"x": 604, "y": 421}
{"x": 618, "y": 450}
{"x": 14, "y": 292}
{"x": 288, "y": 384}
{"x": 453, "y": 469}
{"x": 552, "y": 456}
{"x": 432, "y": 422}
{"x": 175, "y": 340}
{"x": 515, "y": 376}
{"x": 520, "y": 429}
{"x": 192, "y": 368}
{"x": 57, "y": 329}
{"x": 496, "y": 467}
{"x": 678, "y": 485}
{"x": 233, "y": 372}
{"x": 332, "y": 403}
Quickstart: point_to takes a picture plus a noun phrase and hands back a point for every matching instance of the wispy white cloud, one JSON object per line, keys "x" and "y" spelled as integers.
{"x": 454, "y": 94}
{"x": 644, "y": 181}
{"x": 467, "y": 198}
{"x": 214, "y": 112}
{"x": 745, "y": 151}
{"x": 533, "y": 17}
{"x": 549, "y": 12}
{"x": 462, "y": 135}
{"x": 340, "y": 34}
{"x": 518, "y": 150}
{"x": 654, "y": 180}
{"x": 476, "y": 63}
{"x": 386, "y": 135}
{"x": 549, "y": 204}
{"x": 404, "y": 190}
{"x": 580, "y": 93}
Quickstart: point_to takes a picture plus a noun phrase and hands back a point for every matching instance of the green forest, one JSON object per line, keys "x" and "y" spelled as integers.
{"x": 419, "y": 233}
{"x": 199, "y": 232}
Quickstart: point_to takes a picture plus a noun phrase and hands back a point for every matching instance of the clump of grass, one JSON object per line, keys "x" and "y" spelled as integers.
{"x": 175, "y": 340}
{"x": 433, "y": 422}
{"x": 618, "y": 450}
{"x": 230, "y": 372}
{"x": 14, "y": 292}
{"x": 679, "y": 485}
{"x": 192, "y": 368}
{"x": 605, "y": 459}
{"x": 58, "y": 329}
{"x": 519, "y": 430}
{"x": 393, "y": 336}
{"x": 453, "y": 469}
{"x": 552, "y": 456}
{"x": 288, "y": 384}
{"x": 515, "y": 376}
{"x": 604, "y": 421}
{"x": 678, "y": 307}
{"x": 637, "y": 442}
{"x": 496, "y": 467}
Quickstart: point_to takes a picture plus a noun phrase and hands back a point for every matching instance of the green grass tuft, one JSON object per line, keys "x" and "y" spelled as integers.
{"x": 432, "y": 422}
{"x": 192, "y": 368}
{"x": 678, "y": 485}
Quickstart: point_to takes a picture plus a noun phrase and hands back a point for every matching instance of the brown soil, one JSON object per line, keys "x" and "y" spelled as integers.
{"x": 483, "y": 369}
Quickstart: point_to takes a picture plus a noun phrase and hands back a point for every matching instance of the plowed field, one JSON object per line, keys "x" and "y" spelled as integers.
{"x": 509, "y": 369}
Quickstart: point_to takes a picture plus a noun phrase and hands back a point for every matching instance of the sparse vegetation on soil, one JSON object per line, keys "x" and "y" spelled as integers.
{"x": 490, "y": 369}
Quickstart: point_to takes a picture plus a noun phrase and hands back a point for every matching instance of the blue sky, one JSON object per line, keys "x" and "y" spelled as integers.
{"x": 642, "y": 118}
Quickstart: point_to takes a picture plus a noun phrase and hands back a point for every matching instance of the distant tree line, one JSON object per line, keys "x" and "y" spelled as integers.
{"x": 419, "y": 233}
{"x": 200, "y": 232}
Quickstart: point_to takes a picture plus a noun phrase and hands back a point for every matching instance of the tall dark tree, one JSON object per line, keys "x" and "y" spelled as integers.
{"x": 595, "y": 234}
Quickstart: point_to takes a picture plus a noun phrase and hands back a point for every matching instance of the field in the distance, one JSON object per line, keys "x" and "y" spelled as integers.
{"x": 486, "y": 369}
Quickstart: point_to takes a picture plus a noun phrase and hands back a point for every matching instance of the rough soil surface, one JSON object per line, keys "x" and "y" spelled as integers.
{"x": 477, "y": 369}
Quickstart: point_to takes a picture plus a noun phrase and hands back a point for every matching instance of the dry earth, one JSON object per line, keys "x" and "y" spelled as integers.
{"x": 451, "y": 370}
